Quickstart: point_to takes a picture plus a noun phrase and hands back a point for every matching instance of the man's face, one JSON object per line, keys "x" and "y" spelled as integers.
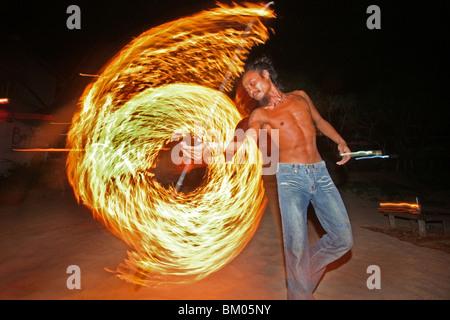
{"x": 256, "y": 84}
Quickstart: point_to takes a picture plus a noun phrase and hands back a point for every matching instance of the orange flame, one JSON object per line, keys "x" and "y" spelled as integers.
{"x": 401, "y": 204}
{"x": 166, "y": 81}
{"x": 413, "y": 208}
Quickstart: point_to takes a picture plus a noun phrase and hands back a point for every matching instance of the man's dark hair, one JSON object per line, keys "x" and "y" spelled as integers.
{"x": 264, "y": 63}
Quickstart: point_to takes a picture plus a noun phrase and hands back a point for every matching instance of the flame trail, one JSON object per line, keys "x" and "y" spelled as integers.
{"x": 401, "y": 204}
{"x": 47, "y": 150}
{"x": 413, "y": 208}
{"x": 162, "y": 82}
{"x": 224, "y": 84}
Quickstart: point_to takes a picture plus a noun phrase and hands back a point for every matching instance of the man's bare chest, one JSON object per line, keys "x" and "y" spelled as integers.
{"x": 287, "y": 119}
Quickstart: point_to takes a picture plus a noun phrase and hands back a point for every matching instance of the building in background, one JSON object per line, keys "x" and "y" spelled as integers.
{"x": 28, "y": 91}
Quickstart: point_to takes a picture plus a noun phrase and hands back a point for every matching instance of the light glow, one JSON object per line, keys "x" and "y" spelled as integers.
{"x": 413, "y": 208}
{"x": 372, "y": 157}
{"x": 166, "y": 81}
{"x": 401, "y": 204}
{"x": 363, "y": 153}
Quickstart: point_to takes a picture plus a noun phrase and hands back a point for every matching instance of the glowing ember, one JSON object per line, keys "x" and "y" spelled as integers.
{"x": 164, "y": 82}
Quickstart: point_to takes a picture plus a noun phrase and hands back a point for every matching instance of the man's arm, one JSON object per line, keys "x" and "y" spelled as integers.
{"x": 255, "y": 123}
{"x": 204, "y": 153}
{"x": 327, "y": 129}
{"x": 238, "y": 139}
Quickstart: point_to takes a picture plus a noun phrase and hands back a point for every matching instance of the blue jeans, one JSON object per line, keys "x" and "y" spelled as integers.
{"x": 298, "y": 185}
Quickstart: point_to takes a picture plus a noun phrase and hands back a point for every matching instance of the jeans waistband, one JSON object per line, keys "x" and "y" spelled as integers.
{"x": 286, "y": 167}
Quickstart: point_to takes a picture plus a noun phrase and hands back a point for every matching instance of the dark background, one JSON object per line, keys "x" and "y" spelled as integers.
{"x": 316, "y": 38}
{"x": 382, "y": 89}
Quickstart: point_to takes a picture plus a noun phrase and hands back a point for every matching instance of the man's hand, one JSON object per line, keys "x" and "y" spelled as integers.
{"x": 198, "y": 153}
{"x": 343, "y": 148}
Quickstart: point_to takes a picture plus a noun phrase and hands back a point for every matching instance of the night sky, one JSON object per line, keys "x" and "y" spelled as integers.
{"x": 322, "y": 40}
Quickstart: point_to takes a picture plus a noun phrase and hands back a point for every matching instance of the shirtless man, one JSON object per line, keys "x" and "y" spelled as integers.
{"x": 302, "y": 178}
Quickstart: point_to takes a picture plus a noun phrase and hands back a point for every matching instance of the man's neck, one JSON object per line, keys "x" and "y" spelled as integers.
{"x": 273, "y": 96}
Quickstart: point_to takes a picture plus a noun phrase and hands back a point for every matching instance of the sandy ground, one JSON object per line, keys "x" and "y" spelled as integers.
{"x": 49, "y": 231}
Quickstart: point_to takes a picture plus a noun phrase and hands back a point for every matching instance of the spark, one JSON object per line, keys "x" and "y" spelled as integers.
{"x": 163, "y": 82}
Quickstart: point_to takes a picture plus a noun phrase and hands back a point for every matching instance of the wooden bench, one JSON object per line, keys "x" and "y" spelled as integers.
{"x": 421, "y": 216}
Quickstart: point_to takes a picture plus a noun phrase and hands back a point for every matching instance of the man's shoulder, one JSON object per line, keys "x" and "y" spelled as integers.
{"x": 297, "y": 96}
{"x": 256, "y": 115}
{"x": 257, "y": 112}
{"x": 298, "y": 93}
{"x": 243, "y": 124}
{"x": 302, "y": 97}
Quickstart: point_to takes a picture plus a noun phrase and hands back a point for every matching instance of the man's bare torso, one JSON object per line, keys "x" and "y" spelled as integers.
{"x": 296, "y": 129}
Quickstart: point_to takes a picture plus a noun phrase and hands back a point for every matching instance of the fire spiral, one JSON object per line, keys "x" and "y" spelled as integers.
{"x": 164, "y": 81}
